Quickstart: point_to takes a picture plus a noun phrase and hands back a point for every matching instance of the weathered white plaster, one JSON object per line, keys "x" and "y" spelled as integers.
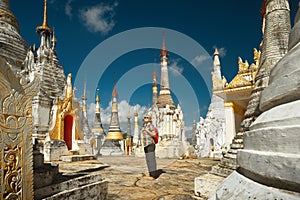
{"x": 237, "y": 186}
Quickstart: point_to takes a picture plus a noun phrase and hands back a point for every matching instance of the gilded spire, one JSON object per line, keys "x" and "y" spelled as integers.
{"x": 84, "y": 97}
{"x": 97, "y": 98}
{"x": 114, "y": 93}
{"x": 53, "y": 40}
{"x": 154, "y": 75}
{"x": 44, "y": 26}
{"x": 163, "y": 41}
{"x": 163, "y": 51}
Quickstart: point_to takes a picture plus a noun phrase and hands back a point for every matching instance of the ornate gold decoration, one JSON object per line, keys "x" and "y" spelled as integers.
{"x": 243, "y": 66}
{"x": 228, "y": 105}
{"x": 238, "y": 81}
{"x": 256, "y": 56}
{"x": 114, "y": 135}
{"x": 246, "y": 74}
{"x": 16, "y": 157}
{"x": 65, "y": 107}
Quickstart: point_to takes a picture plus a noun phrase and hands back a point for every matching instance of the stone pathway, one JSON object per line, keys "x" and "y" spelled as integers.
{"x": 126, "y": 176}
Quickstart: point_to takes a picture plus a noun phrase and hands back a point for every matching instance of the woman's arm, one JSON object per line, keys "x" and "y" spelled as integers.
{"x": 152, "y": 133}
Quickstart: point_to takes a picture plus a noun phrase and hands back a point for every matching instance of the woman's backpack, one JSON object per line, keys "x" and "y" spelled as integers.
{"x": 156, "y": 136}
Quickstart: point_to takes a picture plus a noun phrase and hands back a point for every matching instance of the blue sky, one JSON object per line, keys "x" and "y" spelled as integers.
{"x": 98, "y": 38}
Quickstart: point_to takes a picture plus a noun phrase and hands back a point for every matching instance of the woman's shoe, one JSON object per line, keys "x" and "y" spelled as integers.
{"x": 150, "y": 178}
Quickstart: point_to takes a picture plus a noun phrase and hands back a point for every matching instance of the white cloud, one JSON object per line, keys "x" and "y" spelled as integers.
{"x": 222, "y": 51}
{"x": 175, "y": 69}
{"x": 123, "y": 107}
{"x": 68, "y": 9}
{"x": 198, "y": 60}
{"x": 99, "y": 18}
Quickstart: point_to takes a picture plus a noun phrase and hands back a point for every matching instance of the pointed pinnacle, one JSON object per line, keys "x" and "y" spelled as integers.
{"x": 44, "y": 26}
{"x": 216, "y": 52}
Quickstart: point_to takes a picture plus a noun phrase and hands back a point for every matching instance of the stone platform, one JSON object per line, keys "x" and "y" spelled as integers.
{"x": 126, "y": 176}
{"x": 82, "y": 187}
{"x": 51, "y": 184}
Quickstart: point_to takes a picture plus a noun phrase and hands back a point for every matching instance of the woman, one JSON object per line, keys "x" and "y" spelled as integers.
{"x": 148, "y": 133}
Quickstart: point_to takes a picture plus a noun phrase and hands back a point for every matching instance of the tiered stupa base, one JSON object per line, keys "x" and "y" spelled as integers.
{"x": 111, "y": 148}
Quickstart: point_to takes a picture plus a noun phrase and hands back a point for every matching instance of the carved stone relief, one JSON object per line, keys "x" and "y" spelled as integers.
{"x": 16, "y": 163}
